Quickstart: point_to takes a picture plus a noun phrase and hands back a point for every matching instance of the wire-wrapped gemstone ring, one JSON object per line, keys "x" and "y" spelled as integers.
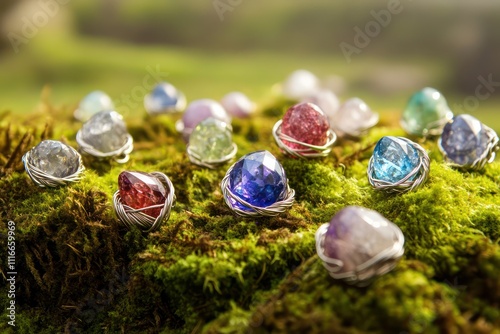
{"x": 105, "y": 135}
{"x": 398, "y": 165}
{"x": 467, "y": 143}
{"x": 144, "y": 199}
{"x": 211, "y": 143}
{"x": 359, "y": 257}
{"x": 52, "y": 163}
{"x": 256, "y": 185}
{"x": 304, "y": 132}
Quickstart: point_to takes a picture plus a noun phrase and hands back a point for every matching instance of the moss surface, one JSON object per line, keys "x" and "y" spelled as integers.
{"x": 206, "y": 270}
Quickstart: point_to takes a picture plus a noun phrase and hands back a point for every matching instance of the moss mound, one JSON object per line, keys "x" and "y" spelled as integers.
{"x": 206, "y": 270}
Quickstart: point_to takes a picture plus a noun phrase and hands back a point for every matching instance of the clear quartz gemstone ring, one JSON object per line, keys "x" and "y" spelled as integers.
{"x": 359, "y": 245}
{"x": 52, "y": 163}
{"x": 105, "y": 135}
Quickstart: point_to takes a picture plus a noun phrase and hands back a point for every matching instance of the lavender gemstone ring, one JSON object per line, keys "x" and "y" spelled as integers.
{"x": 467, "y": 143}
{"x": 52, "y": 163}
{"x": 105, "y": 135}
{"x": 359, "y": 245}
{"x": 256, "y": 186}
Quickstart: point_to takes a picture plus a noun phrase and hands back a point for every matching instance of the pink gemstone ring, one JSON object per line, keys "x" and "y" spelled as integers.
{"x": 304, "y": 132}
{"x": 143, "y": 199}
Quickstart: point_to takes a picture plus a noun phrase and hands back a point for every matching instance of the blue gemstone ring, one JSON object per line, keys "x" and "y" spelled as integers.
{"x": 256, "y": 186}
{"x": 467, "y": 143}
{"x": 398, "y": 165}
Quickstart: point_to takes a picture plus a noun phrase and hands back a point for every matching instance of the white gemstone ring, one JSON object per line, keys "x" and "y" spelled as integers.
{"x": 105, "y": 135}
{"x": 52, "y": 163}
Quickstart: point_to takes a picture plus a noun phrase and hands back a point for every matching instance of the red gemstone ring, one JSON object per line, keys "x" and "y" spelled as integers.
{"x": 304, "y": 132}
{"x": 143, "y": 199}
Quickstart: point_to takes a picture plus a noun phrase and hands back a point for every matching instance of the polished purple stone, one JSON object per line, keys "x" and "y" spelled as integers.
{"x": 200, "y": 110}
{"x": 259, "y": 179}
{"x": 356, "y": 234}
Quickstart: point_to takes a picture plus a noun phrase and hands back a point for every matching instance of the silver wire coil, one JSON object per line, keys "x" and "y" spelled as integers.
{"x": 212, "y": 164}
{"x": 487, "y": 157}
{"x": 135, "y": 217}
{"x": 255, "y": 211}
{"x": 421, "y": 171}
{"x": 43, "y": 179}
{"x": 120, "y": 155}
{"x": 364, "y": 273}
{"x": 312, "y": 151}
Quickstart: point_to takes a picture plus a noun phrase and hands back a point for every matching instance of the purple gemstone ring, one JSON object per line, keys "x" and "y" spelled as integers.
{"x": 467, "y": 143}
{"x": 359, "y": 245}
{"x": 256, "y": 186}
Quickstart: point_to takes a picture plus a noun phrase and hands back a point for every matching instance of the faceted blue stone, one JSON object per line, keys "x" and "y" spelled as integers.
{"x": 259, "y": 179}
{"x": 393, "y": 159}
{"x": 464, "y": 140}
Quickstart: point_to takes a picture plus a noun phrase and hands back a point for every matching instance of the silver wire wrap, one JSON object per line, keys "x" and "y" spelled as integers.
{"x": 255, "y": 211}
{"x": 212, "y": 164}
{"x": 378, "y": 265}
{"x": 43, "y": 179}
{"x": 430, "y": 129}
{"x": 120, "y": 155}
{"x": 312, "y": 151}
{"x": 487, "y": 157}
{"x": 405, "y": 184}
{"x": 130, "y": 217}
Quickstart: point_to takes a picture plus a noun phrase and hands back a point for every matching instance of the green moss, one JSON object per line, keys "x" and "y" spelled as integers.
{"x": 208, "y": 270}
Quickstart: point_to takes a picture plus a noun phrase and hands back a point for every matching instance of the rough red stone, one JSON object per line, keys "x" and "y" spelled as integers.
{"x": 305, "y": 122}
{"x": 139, "y": 190}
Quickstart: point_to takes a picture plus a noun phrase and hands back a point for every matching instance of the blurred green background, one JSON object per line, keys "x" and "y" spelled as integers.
{"x": 63, "y": 49}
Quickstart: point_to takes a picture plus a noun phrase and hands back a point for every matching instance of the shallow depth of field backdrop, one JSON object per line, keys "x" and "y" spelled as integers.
{"x": 52, "y": 53}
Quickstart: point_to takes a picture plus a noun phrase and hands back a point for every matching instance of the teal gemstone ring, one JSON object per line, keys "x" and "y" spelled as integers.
{"x": 398, "y": 165}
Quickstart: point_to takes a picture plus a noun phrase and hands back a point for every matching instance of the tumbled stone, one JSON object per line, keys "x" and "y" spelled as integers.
{"x": 238, "y": 105}
{"x": 464, "y": 140}
{"x": 211, "y": 140}
{"x": 356, "y": 235}
{"x": 139, "y": 190}
{"x": 305, "y": 122}
{"x": 105, "y": 131}
{"x": 300, "y": 84}
{"x": 426, "y": 111}
{"x": 259, "y": 179}
{"x": 93, "y": 103}
{"x": 393, "y": 159}
{"x": 55, "y": 158}
{"x": 164, "y": 98}
{"x": 200, "y": 110}
{"x": 353, "y": 118}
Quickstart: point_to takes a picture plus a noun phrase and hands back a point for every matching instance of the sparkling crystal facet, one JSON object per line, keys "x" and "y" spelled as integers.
{"x": 305, "y": 122}
{"x": 355, "y": 235}
{"x": 464, "y": 140}
{"x": 300, "y": 84}
{"x": 105, "y": 131}
{"x": 326, "y": 100}
{"x": 164, "y": 98}
{"x": 393, "y": 159}
{"x": 353, "y": 117}
{"x": 140, "y": 190}
{"x": 93, "y": 103}
{"x": 425, "y": 109}
{"x": 259, "y": 179}
{"x": 55, "y": 158}
{"x": 211, "y": 140}
{"x": 238, "y": 104}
